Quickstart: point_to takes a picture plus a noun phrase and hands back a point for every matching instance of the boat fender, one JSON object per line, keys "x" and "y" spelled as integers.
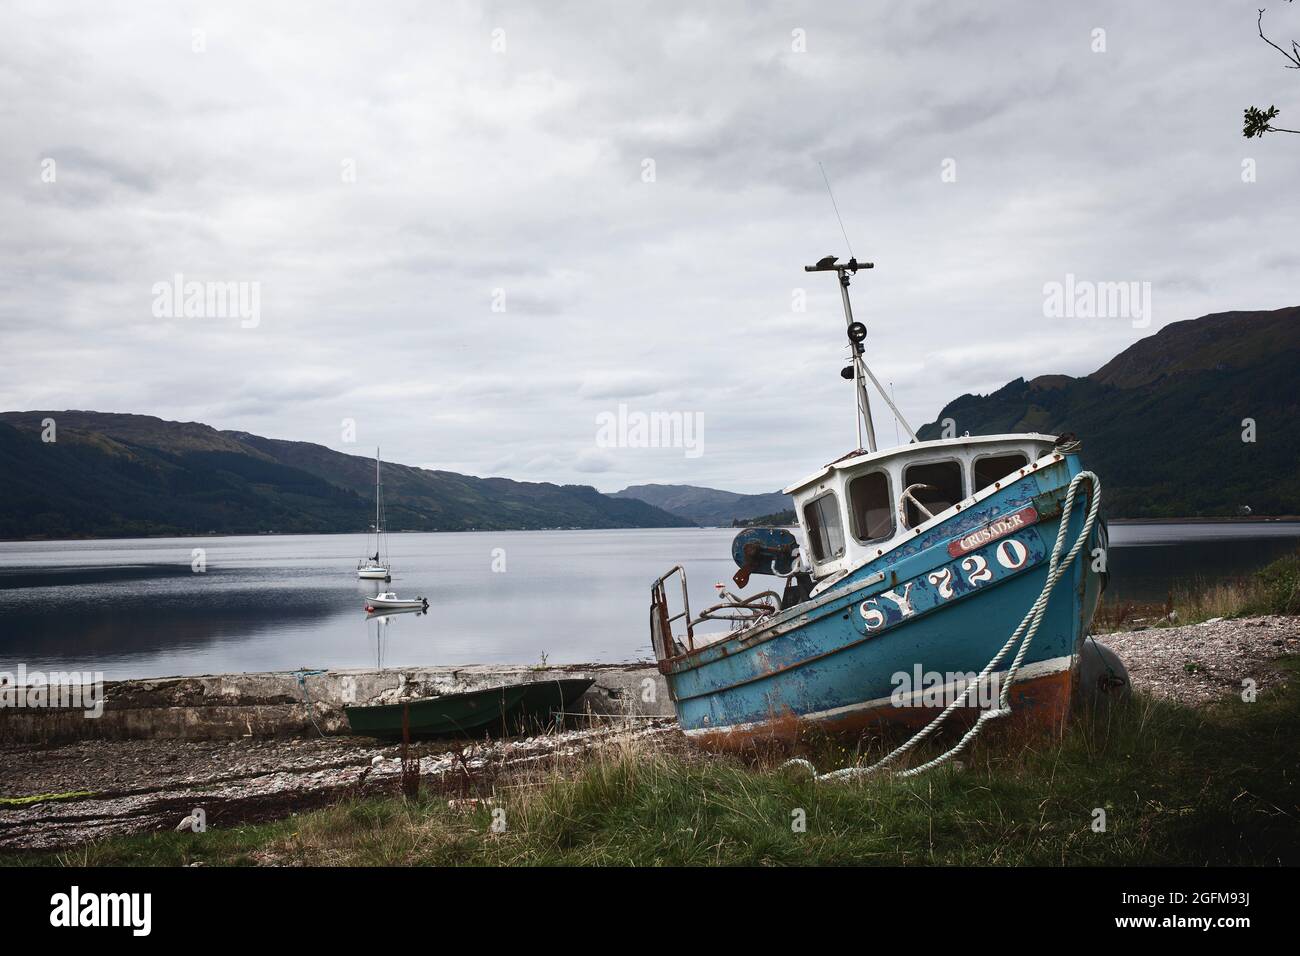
{"x": 1103, "y": 678}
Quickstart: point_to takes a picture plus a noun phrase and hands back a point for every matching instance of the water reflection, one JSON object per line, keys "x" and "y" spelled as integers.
{"x": 136, "y": 608}
{"x": 1147, "y": 562}
{"x": 379, "y": 625}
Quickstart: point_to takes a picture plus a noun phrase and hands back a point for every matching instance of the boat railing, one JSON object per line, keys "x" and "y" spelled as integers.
{"x": 739, "y": 612}
{"x": 661, "y": 622}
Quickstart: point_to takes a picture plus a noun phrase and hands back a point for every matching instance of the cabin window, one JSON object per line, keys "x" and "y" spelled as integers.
{"x": 821, "y": 517}
{"x": 871, "y": 506}
{"x": 943, "y": 481}
{"x": 993, "y": 468}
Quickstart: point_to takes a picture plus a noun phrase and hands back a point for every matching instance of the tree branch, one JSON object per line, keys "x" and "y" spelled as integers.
{"x": 1292, "y": 58}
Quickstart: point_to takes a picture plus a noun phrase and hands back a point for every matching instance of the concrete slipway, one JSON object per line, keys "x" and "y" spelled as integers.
{"x": 288, "y": 703}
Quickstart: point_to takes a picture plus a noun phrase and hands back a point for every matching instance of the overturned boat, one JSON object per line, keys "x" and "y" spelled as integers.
{"x": 958, "y": 575}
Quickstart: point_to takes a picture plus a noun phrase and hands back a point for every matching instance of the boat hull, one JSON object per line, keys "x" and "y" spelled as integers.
{"x": 898, "y": 638}
{"x": 1041, "y": 699}
{"x": 385, "y": 614}
{"x": 373, "y": 574}
{"x": 506, "y": 710}
{"x": 374, "y": 604}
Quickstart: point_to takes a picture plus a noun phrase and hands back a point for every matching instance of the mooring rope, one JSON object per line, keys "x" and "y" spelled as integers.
{"x": 303, "y": 674}
{"x": 1028, "y": 627}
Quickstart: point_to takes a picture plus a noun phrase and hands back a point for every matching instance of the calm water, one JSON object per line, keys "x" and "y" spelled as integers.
{"x": 134, "y": 608}
{"x": 1147, "y": 561}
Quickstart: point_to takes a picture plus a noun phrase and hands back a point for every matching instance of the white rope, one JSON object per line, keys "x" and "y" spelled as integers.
{"x": 1028, "y": 627}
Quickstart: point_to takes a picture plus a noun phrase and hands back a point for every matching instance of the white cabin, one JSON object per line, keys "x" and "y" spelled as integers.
{"x": 853, "y": 510}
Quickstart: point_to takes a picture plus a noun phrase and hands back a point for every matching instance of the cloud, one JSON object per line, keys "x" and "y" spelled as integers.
{"x": 591, "y": 461}
{"x": 459, "y": 248}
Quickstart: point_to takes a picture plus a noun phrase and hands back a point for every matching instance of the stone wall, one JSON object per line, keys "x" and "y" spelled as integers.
{"x": 287, "y": 703}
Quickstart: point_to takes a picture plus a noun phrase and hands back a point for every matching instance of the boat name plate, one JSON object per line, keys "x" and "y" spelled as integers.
{"x": 998, "y": 528}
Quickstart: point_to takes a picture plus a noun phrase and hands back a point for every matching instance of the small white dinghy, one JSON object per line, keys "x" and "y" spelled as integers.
{"x": 389, "y": 601}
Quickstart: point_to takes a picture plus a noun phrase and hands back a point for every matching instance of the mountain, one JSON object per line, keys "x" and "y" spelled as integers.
{"x": 114, "y": 475}
{"x": 706, "y": 506}
{"x": 1162, "y": 422}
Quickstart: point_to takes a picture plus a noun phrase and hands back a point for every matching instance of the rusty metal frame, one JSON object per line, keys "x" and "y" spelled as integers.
{"x": 659, "y": 597}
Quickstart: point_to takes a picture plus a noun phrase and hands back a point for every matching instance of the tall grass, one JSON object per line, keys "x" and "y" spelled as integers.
{"x": 1274, "y": 589}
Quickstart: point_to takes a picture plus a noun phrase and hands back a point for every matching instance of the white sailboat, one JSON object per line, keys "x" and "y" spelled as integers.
{"x": 375, "y": 567}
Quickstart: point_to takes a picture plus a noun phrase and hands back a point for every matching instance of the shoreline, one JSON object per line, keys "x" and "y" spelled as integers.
{"x": 97, "y": 788}
{"x": 303, "y": 702}
{"x": 316, "y": 534}
{"x": 1251, "y": 519}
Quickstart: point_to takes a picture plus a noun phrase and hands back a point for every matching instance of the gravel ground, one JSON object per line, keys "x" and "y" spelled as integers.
{"x": 1199, "y": 663}
{"x": 151, "y": 785}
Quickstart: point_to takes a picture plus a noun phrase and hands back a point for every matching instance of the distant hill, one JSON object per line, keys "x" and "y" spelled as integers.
{"x": 114, "y": 475}
{"x": 1161, "y": 422}
{"x": 706, "y": 506}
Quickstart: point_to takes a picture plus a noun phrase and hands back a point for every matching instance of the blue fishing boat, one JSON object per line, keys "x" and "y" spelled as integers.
{"x": 958, "y": 575}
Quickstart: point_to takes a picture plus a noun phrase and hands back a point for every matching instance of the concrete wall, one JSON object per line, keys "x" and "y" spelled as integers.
{"x": 285, "y": 703}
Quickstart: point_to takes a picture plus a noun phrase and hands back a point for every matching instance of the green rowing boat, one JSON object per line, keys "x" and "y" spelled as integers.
{"x": 506, "y": 710}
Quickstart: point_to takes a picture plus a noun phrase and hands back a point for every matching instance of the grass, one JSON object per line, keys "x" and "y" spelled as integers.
{"x": 1178, "y": 786}
{"x": 1274, "y": 589}
{"x": 44, "y": 798}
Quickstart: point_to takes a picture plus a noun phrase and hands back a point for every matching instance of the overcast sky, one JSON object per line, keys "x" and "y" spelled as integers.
{"x": 503, "y": 146}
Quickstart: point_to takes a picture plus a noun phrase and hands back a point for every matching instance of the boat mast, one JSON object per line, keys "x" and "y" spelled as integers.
{"x": 379, "y": 521}
{"x": 857, "y": 333}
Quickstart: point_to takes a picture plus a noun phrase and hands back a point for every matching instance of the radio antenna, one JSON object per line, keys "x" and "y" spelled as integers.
{"x": 893, "y": 403}
{"x": 857, "y": 369}
{"x": 836, "y": 207}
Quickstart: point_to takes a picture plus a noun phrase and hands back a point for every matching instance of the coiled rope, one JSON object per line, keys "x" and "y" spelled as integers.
{"x": 1028, "y": 627}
